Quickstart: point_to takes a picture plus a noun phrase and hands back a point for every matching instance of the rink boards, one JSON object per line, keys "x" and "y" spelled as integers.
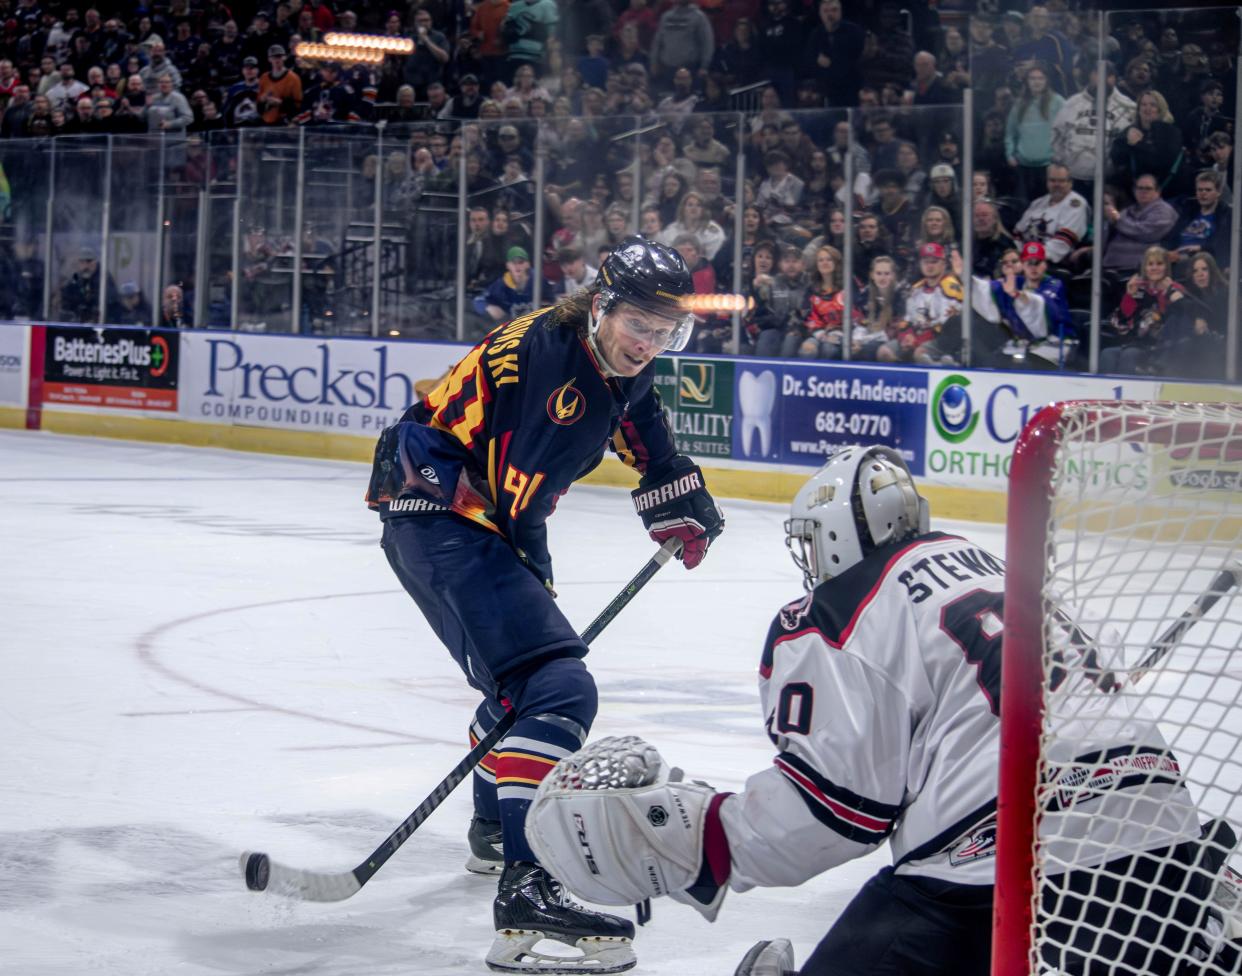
{"x": 758, "y": 424}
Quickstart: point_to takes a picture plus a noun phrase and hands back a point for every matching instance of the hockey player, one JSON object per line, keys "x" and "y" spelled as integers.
{"x": 880, "y": 690}
{"x": 1058, "y": 220}
{"x": 464, "y": 484}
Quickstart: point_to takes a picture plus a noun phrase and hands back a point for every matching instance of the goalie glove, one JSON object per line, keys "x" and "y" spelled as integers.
{"x": 679, "y": 506}
{"x": 615, "y": 826}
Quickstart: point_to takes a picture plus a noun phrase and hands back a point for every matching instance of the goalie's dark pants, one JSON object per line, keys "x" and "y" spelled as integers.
{"x": 900, "y": 925}
{"x": 507, "y": 634}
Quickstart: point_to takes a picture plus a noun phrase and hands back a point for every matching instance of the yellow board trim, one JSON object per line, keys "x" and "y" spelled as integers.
{"x": 14, "y": 417}
{"x": 968, "y": 504}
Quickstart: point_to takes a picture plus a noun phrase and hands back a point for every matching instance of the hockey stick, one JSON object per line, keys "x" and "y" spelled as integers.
{"x": 1224, "y": 581}
{"x": 264, "y": 874}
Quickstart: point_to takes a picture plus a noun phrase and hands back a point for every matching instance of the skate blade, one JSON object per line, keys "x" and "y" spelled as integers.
{"x": 478, "y": 865}
{"x": 513, "y": 951}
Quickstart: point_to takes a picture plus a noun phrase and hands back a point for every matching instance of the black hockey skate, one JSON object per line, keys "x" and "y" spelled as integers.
{"x": 531, "y": 906}
{"x": 487, "y": 855}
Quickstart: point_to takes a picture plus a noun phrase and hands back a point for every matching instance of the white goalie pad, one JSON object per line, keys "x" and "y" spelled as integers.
{"x": 614, "y": 826}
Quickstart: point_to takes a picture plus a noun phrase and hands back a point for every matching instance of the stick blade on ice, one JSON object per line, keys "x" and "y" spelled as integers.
{"x": 264, "y": 874}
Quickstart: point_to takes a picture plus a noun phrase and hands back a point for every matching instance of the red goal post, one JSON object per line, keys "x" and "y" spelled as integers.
{"x": 1120, "y": 514}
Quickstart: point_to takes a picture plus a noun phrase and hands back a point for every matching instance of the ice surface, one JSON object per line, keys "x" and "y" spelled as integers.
{"x": 205, "y": 652}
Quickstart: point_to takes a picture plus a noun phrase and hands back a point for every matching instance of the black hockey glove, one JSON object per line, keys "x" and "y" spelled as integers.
{"x": 679, "y": 506}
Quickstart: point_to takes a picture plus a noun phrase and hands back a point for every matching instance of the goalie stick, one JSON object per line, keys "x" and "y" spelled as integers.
{"x": 264, "y": 874}
{"x": 1229, "y": 576}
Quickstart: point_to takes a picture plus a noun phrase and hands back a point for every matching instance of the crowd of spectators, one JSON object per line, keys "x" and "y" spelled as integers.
{"x": 631, "y": 104}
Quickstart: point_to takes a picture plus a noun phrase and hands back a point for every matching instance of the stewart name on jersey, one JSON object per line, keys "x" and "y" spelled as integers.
{"x": 880, "y": 691}
{"x": 526, "y": 413}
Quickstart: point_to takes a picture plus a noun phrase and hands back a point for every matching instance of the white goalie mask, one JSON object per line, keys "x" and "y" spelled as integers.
{"x": 861, "y": 499}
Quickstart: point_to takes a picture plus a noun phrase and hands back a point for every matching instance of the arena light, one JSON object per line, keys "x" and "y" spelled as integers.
{"x": 713, "y": 304}
{"x": 370, "y": 42}
{"x": 348, "y": 55}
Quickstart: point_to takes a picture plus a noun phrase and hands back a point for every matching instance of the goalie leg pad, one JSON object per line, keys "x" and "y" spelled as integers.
{"x": 615, "y": 829}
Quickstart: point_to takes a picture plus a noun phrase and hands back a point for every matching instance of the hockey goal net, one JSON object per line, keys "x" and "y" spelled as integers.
{"x": 1121, "y": 701}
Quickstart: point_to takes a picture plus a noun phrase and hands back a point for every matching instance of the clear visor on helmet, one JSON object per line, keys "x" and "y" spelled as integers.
{"x": 656, "y": 327}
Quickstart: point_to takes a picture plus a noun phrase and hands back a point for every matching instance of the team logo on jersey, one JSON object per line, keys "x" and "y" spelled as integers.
{"x": 792, "y": 614}
{"x": 979, "y": 843}
{"x": 953, "y": 413}
{"x": 566, "y": 405}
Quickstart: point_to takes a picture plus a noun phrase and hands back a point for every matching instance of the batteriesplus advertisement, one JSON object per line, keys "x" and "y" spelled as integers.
{"x": 130, "y": 369}
{"x": 797, "y": 413}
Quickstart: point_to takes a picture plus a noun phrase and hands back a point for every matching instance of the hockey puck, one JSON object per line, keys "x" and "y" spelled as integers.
{"x": 257, "y": 869}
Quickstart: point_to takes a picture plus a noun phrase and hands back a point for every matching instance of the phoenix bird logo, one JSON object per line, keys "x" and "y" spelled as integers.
{"x": 566, "y": 405}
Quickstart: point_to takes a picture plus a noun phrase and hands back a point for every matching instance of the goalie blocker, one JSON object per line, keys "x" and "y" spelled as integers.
{"x": 877, "y": 689}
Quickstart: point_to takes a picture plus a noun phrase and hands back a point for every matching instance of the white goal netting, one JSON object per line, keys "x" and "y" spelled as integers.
{"x": 1132, "y": 547}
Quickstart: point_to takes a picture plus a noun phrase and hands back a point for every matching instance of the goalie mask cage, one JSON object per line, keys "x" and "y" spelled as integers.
{"x": 1122, "y": 516}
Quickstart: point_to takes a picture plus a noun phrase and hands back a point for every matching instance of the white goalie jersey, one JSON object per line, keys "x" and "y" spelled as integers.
{"x": 881, "y": 692}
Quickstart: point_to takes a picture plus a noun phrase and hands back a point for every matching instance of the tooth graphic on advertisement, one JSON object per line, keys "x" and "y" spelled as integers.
{"x": 756, "y": 396}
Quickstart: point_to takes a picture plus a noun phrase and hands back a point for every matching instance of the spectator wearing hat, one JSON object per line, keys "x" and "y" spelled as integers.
{"x": 942, "y": 190}
{"x": 241, "y": 100}
{"x": 778, "y": 327}
{"x": 931, "y": 332}
{"x": 1207, "y": 118}
{"x": 129, "y": 307}
{"x": 512, "y": 294}
{"x": 159, "y": 66}
{"x": 280, "y": 90}
{"x": 1028, "y": 306}
{"x": 465, "y": 104}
